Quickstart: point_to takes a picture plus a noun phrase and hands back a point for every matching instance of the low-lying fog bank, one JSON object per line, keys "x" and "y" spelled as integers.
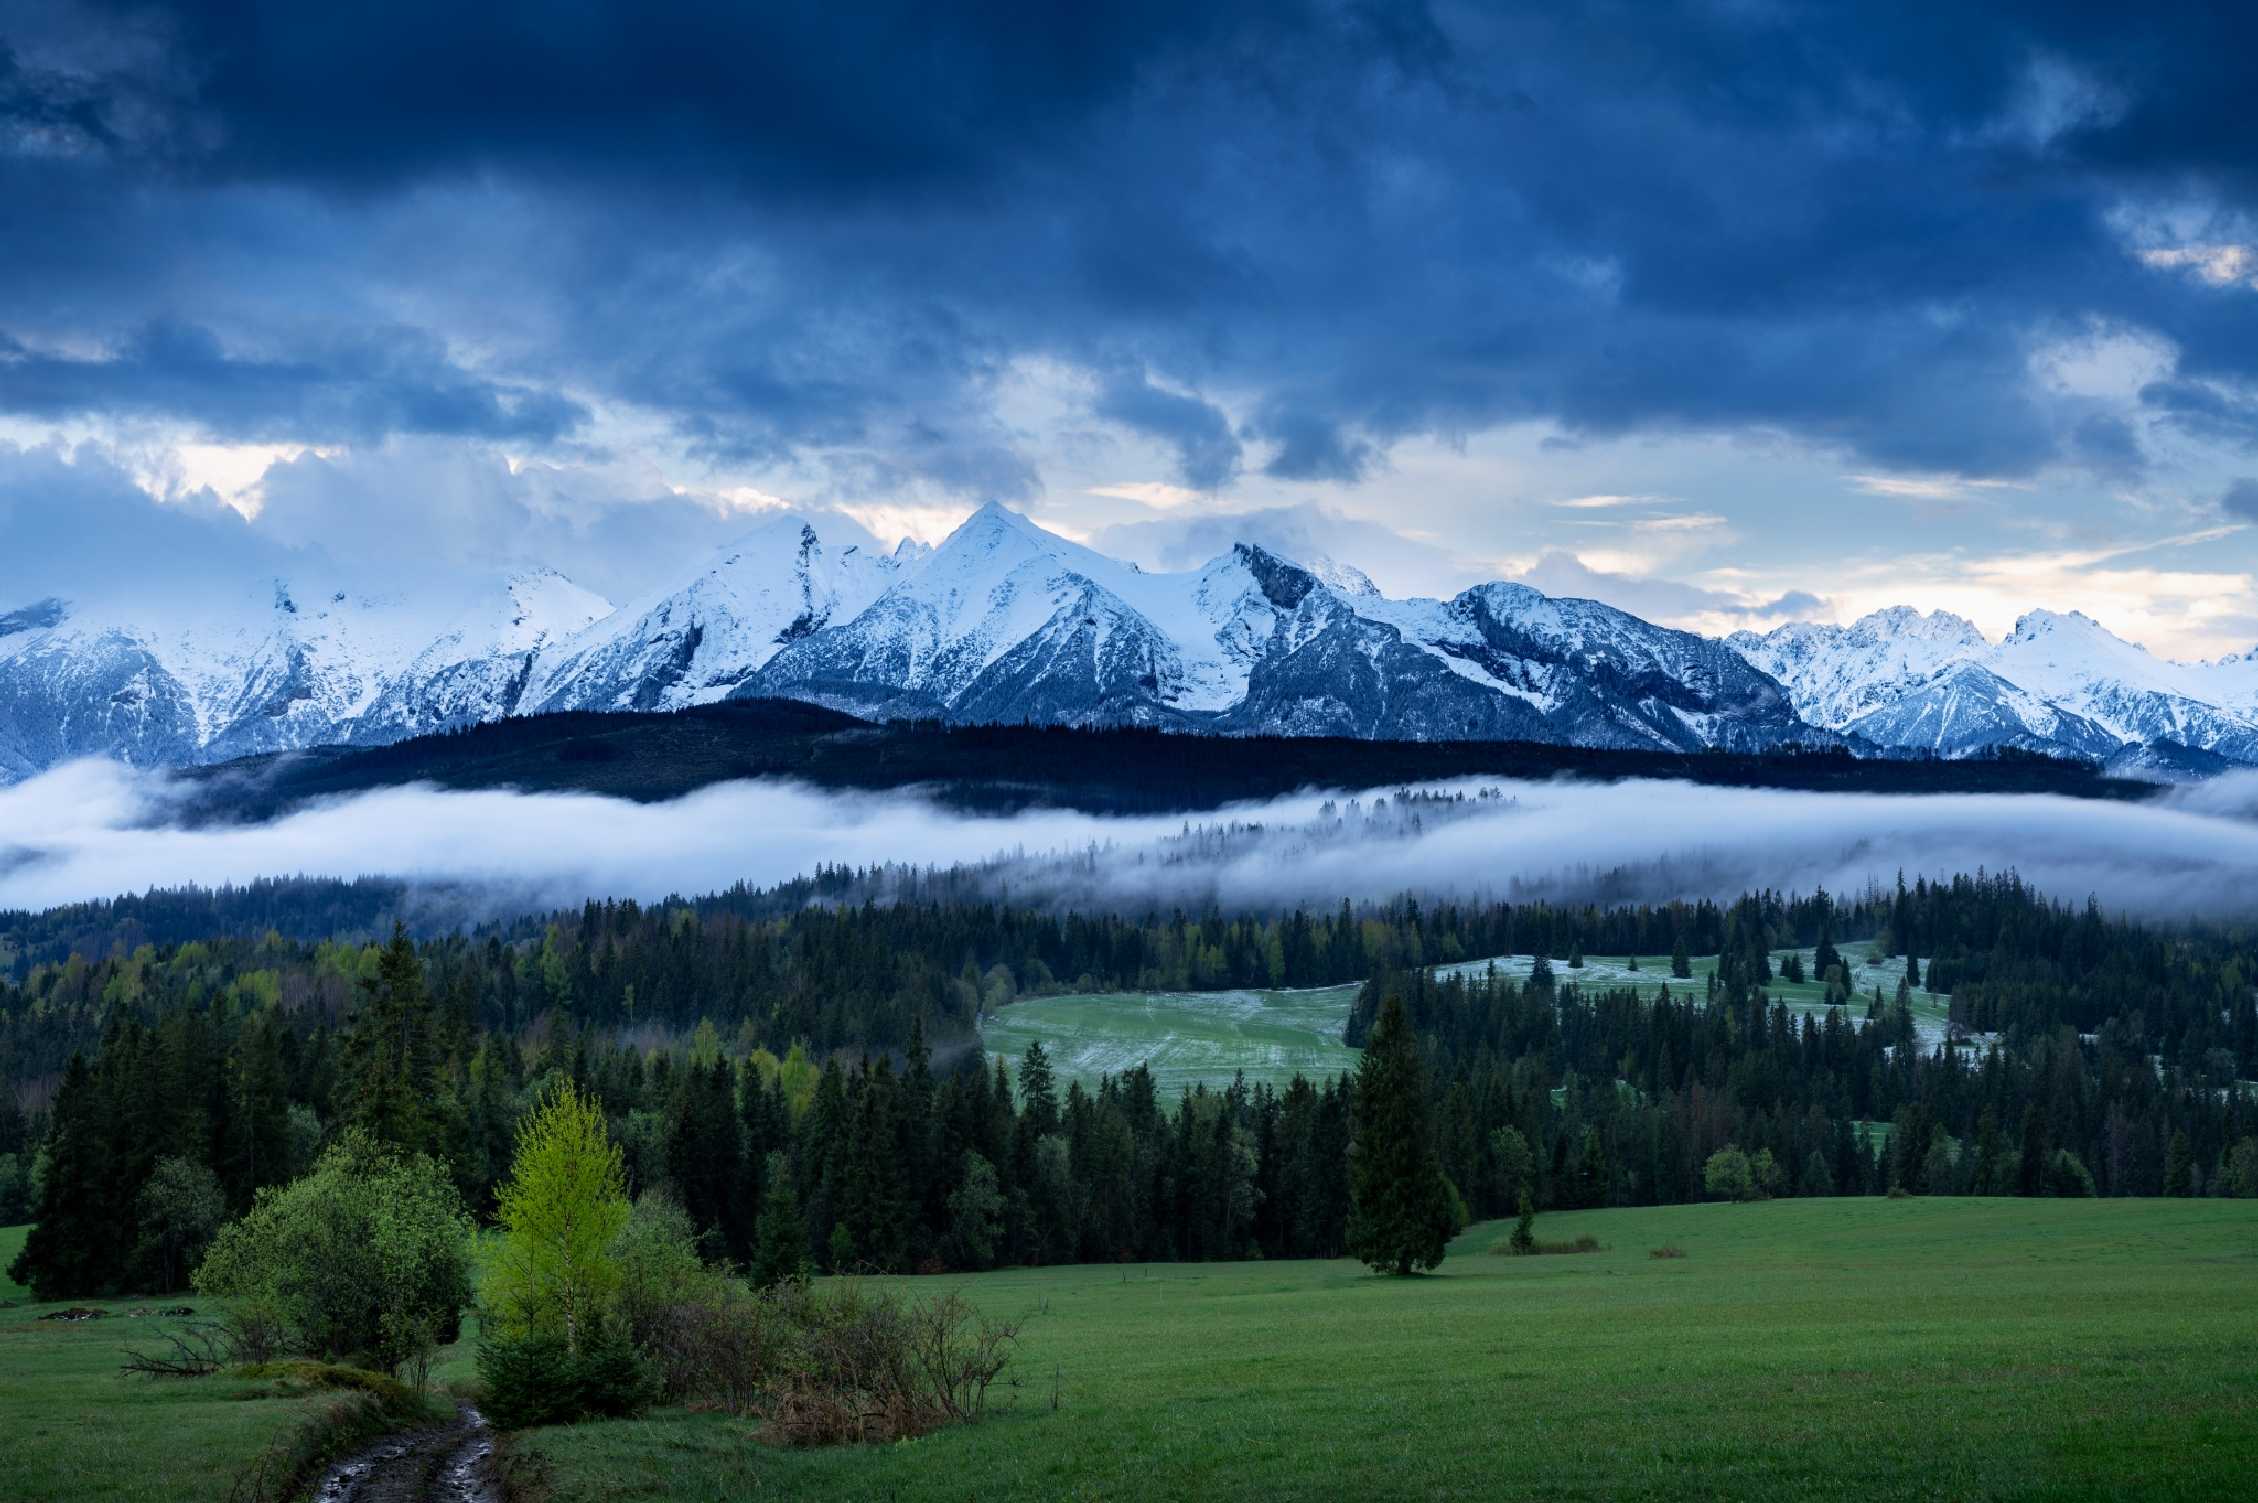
{"x": 96, "y": 829}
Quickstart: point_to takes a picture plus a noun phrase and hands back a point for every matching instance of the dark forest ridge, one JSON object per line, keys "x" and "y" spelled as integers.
{"x": 662, "y": 755}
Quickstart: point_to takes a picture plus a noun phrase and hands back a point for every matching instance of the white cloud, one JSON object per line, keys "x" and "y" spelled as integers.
{"x": 1157, "y": 494}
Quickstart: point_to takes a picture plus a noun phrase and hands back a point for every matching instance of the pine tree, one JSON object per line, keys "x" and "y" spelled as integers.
{"x": 1681, "y": 964}
{"x": 2179, "y": 1166}
{"x": 72, "y": 1249}
{"x": 1400, "y": 1216}
{"x": 391, "y": 1054}
{"x": 780, "y": 1241}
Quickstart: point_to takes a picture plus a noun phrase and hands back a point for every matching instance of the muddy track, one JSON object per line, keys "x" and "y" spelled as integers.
{"x": 448, "y": 1464}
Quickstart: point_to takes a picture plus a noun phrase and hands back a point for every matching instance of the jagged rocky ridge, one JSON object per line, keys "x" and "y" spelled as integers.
{"x": 1007, "y": 622}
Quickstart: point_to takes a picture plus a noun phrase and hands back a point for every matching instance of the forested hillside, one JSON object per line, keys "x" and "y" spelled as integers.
{"x": 770, "y": 1052}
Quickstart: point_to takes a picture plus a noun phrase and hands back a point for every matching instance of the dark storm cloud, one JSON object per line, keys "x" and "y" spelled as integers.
{"x": 1207, "y": 451}
{"x": 832, "y": 230}
{"x": 363, "y": 384}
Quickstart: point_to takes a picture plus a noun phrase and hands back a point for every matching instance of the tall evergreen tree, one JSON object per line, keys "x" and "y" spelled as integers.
{"x": 1400, "y": 1216}
{"x": 780, "y": 1242}
{"x": 390, "y": 1077}
{"x": 73, "y": 1248}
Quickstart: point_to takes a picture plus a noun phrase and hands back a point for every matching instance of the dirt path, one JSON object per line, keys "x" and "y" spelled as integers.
{"x": 450, "y": 1464}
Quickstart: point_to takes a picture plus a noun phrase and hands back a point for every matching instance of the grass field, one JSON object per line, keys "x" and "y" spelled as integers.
{"x": 73, "y": 1427}
{"x": 1802, "y": 1349}
{"x": 1183, "y": 1038}
{"x": 1847, "y": 1349}
{"x": 1189, "y": 1038}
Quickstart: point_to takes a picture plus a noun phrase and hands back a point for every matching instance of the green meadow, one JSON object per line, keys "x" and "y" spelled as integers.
{"x": 1184, "y": 1038}
{"x": 1205, "y": 1038}
{"x": 1927, "y": 1348}
{"x": 1800, "y": 1349}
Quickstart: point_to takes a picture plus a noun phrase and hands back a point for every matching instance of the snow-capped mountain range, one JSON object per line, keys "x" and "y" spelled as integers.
{"x": 2058, "y": 683}
{"x": 1007, "y": 622}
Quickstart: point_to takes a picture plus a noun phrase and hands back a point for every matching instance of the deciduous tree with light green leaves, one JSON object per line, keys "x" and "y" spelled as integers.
{"x": 562, "y": 1208}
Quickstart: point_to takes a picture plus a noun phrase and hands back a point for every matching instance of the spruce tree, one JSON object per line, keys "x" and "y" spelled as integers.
{"x": 1400, "y": 1216}
{"x": 1681, "y": 964}
{"x": 71, "y": 1250}
{"x": 2179, "y": 1166}
{"x": 780, "y": 1242}
{"x": 391, "y": 1055}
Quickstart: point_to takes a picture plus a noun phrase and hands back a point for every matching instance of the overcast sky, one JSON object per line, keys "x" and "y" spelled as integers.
{"x": 1717, "y": 311}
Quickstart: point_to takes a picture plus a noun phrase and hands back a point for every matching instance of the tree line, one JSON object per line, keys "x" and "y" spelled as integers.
{"x": 2118, "y": 1063}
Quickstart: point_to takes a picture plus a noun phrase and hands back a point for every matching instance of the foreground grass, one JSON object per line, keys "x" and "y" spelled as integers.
{"x": 73, "y": 1427}
{"x": 1850, "y": 1348}
{"x": 11, "y": 1243}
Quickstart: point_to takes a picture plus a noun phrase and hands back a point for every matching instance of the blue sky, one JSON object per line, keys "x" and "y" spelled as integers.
{"x": 1722, "y": 312}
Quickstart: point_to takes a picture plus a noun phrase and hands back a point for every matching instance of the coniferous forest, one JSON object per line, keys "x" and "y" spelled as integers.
{"x": 805, "y": 1076}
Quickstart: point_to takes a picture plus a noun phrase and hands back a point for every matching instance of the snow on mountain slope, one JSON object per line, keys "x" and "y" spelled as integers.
{"x": 1967, "y": 708}
{"x": 1005, "y": 621}
{"x": 779, "y": 583}
{"x": 1836, "y": 674}
{"x": 478, "y": 668}
{"x": 2058, "y": 682}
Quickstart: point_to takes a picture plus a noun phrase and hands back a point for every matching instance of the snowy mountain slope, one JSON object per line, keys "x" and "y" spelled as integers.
{"x": 477, "y": 670}
{"x": 779, "y": 583}
{"x": 1835, "y": 674}
{"x": 1968, "y": 708}
{"x": 2057, "y": 682}
{"x": 1005, "y": 621}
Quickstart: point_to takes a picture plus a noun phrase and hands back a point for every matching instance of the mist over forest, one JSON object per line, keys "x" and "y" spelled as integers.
{"x": 94, "y": 830}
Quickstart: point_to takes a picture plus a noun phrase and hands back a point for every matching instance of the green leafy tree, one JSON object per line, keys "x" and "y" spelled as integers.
{"x": 367, "y": 1256}
{"x": 1525, "y": 1231}
{"x": 561, "y": 1209}
{"x": 1400, "y": 1216}
{"x": 976, "y": 1215}
{"x": 179, "y": 1209}
{"x": 1728, "y": 1175}
{"x": 2242, "y": 1170}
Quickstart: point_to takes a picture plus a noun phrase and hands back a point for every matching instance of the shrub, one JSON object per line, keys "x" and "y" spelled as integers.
{"x": 367, "y": 1256}
{"x": 540, "y": 1379}
{"x": 1535, "y": 1248}
{"x": 719, "y": 1354}
{"x": 866, "y": 1366}
{"x": 1666, "y": 1250}
{"x": 660, "y": 1270}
